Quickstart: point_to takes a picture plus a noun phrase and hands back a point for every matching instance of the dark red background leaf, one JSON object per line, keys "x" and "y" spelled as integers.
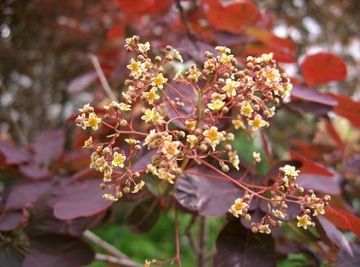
{"x": 201, "y": 190}
{"x": 343, "y": 259}
{"x": 238, "y": 246}
{"x": 319, "y": 183}
{"x": 309, "y": 166}
{"x": 142, "y": 7}
{"x": 309, "y": 94}
{"x": 81, "y": 82}
{"x": 13, "y": 154}
{"x": 49, "y": 146}
{"x": 322, "y": 68}
{"x": 35, "y": 172}
{"x": 233, "y": 17}
{"x": 11, "y": 220}
{"x": 80, "y": 200}
{"x": 347, "y": 108}
{"x": 343, "y": 219}
{"x": 144, "y": 216}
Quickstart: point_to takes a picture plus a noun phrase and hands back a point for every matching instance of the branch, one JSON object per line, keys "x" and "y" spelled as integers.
{"x": 102, "y": 77}
{"x": 118, "y": 257}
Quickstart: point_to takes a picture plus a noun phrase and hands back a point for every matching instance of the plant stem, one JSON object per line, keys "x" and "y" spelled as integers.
{"x": 202, "y": 241}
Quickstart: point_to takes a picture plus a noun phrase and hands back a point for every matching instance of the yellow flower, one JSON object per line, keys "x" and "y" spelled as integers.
{"x": 216, "y": 104}
{"x": 93, "y": 121}
{"x": 190, "y": 124}
{"x": 86, "y": 108}
{"x": 264, "y": 228}
{"x": 246, "y": 109}
{"x": 158, "y": 81}
{"x": 192, "y": 139}
{"x": 223, "y": 49}
{"x": 138, "y": 187}
{"x": 279, "y": 214}
{"x": 238, "y": 124}
{"x": 213, "y": 137}
{"x": 144, "y": 47}
{"x": 170, "y": 149}
{"x": 110, "y": 197}
{"x": 304, "y": 221}
{"x": 238, "y": 208}
{"x": 134, "y": 66}
{"x": 166, "y": 175}
{"x": 230, "y": 87}
{"x": 290, "y": 171}
{"x": 118, "y": 160}
{"x": 234, "y": 159}
{"x": 151, "y": 96}
{"x": 256, "y": 157}
{"x": 257, "y": 123}
{"x": 132, "y": 141}
{"x": 194, "y": 74}
{"x": 267, "y": 57}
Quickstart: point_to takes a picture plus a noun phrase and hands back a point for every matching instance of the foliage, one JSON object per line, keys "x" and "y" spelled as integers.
{"x": 196, "y": 104}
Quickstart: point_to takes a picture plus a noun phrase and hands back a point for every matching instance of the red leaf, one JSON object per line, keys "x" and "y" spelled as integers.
{"x": 142, "y": 7}
{"x": 144, "y": 216}
{"x": 13, "y": 154}
{"x": 115, "y": 32}
{"x": 272, "y": 41}
{"x": 322, "y": 68}
{"x": 347, "y": 108}
{"x": 80, "y": 200}
{"x": 35, "y": 172}
{"x": 238, "y": 246}
{"x": 232, "y": 18}
{"x": 343, "y": 219}
{"x": 202, "y": 191}
{"x": 49, "y": 146}
{"x": 334, "y": 134}
{"x": 309, "y": 94}
{"x": 81, "y": 82}
{"x": 310, "y": 166}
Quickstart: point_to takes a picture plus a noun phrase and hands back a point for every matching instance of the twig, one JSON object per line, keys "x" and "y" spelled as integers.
{"x": 202, "y": 241}
{"x": 118, "y": 256}
{"x": 116, "y": 260}
{"x": 102, "y": 77}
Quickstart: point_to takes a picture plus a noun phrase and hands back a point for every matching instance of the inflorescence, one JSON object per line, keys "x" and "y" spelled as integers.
{"x": 180, "y": 127}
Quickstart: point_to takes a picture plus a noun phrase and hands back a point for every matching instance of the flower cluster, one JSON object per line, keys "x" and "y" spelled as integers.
{"x": 284, "y": 190}
{"x": 190, "y": 118}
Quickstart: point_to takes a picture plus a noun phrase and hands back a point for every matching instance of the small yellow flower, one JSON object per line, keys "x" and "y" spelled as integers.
{"x": 93, "y": 121}
{"x": 134, "y": 66}
{"x": 192, "y": 139}
{"x": 138, "y": 187}
{"x": 124, "y": 107}
{"x": 279, "y": 214}
{"x": 230, "y": 87}
{"x": 238, "y": 208}
{"x": 151, "y": 96}
{"x": 257, "y": 123}
{"x": 256, "y": 157}
{"x": 264, "y": 228}
{"x": 166, "y": 175}
{"x": 110, "y": 197}
{"x": 190, "y": 124}
{"x": 87, "y": 109}
{"x": 304, "y": 221}
{"x": 170, "y": 149}
{"x": 132, "y": 141}
{"x": 144, "y": 47}
{"x": 234, "y": 159}
{"x": 238, "y": 124}
{"x": 216, "y": 104}
{"x": 194, "y": 74}
{"x": 223, "y": 49}
{"x": 147, "y": 263}
{"x": 246, "y": 109}
{"x": 267, "y": 57}
{"x": 213, "y": 136}
{"x": 318, "y": 209}
{"x": 158, "y": 81}
{"x": 118, "y": 160}
{"x": 177, "y": 55}
{"x": 290, "y": 171}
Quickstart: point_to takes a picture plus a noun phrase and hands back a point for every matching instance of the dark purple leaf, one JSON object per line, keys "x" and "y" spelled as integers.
{"x": 310, "y": 94}
{"x": 11, "y": 220}
{"x": 239, "y": 247}
{"x": 10, "y": 256}
{"x": 22, "y": 194}
{"x": 335, "y": 235}
{"x": 76, "y": 200}
{"x": 13, "y": 155}
{"x": 144, "y": 216}
{"x": 35, "y": 172}
{"x": 81, "y": 82}
{"x": 49, "y": 146}
{"x": 195, "y": 49}
{"x": 343, "y": 259}
{"x": 204, "y": 191}
{"x": 319, "y": 183}
{"x": 58, "y": 251}
{"x": 309, "y": 107}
